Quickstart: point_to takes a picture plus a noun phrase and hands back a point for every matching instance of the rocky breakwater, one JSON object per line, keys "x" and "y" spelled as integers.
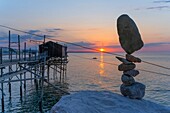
{"x": 130, "y": 40}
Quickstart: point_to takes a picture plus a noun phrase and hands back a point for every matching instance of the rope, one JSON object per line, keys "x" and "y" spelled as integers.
{"x": 80, "y": 46}
{"x": 155, "y": 64}
{"x": 109, "y": 53}
{"x": 118, "y": 64}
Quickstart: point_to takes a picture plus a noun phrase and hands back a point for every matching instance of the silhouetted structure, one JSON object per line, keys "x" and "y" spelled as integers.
{"x": 53, "y": 49}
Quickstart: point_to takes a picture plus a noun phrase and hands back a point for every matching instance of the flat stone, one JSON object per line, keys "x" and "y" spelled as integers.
{"x": 123, "y": 60}
{"x": 129, "y": 36}
{"x": 133, "y": 72}
{"x": 132, "y": 58}
{"x": 126, "y": 67}
{"x": 135, "y": 91}
{"x": 127, "y": 80}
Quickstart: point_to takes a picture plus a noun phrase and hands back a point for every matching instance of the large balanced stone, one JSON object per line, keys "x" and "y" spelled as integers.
{"x": 127, "y": 79}
{"x": 129, "y": 36}
{"x": 126, "y": 67}
{"x": 131, "y": 72}
{"x": 132, "y": 58}
{"x": 135, "y": 91}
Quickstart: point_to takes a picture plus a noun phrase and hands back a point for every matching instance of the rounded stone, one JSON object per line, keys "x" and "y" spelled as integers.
{"x": 127, "y": 80}
{"x": 129, "y": 36}
{"x": 135, "y": 91}
{"x": 132, "y": 72}
{"x": 132, "y": 58}
{"x": 126, "y": 67}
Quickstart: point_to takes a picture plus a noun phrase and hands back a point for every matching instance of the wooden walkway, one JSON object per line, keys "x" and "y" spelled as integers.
{"x": 16, "y": 66}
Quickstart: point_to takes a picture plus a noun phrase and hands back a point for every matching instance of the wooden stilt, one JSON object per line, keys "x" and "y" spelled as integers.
{"x": 19, "y": 52}
{"x": 2, "y": 90}
{"x": 10, "y": 67}
{"x": 25, "y": 66}
{"x": 2, "y": 87}
{"x": 48, "y": 72}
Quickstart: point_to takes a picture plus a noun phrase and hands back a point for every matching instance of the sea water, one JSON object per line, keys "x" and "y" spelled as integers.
{"x": 86, "y": 73}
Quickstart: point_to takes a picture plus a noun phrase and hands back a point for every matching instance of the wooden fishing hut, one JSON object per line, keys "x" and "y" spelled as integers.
{"x": 53, "y": 50}
{"x": 56, "y": 57}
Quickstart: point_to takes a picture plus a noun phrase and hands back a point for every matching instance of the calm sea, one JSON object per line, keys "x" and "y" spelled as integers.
{"x": 86, "y": 73}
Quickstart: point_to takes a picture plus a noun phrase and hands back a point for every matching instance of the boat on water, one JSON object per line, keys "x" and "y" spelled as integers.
{"x": 94, "y": 57}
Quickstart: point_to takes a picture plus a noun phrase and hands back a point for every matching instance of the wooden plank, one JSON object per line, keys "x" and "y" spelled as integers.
{"x": 19, "y": 80}
{"x": 7, "y": 64}
{"x": 9, "y": 75}
{"x": 16, "y": 62}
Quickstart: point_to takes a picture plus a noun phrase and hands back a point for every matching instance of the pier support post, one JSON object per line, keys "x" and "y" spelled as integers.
{"x": 10, "y": 67}
{"x": 19, "y": 50}
{"x": 48, "y": 71}
{"x": 2, "y": 90}
{"x": 2, "y": 85}
{"x": 42, "y": 79}
{"x": 25, "y": 66}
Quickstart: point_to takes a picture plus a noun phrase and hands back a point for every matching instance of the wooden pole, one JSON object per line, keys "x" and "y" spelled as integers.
{"x": 1, "y": 55}
{"x": 9, "y": 68}
{"x": 44, "y": 39}
{"x": 25, "y": 66}
{"x": 42, "y": 79}
{"x": 63, "y": 69}
{"x": 57, "y": 88}
{"x": 60, "y": 69}
{"x": 54, "y": 72}
{"x": 30, "y": 56}
{"x": 19, "y": 50}
{"x": 48, "y": 72}
{"x": 2, "y": 87}
{"x": 2, "y": 90}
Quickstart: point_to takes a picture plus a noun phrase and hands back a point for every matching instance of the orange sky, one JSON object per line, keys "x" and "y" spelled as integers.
{"x": 91, "y": 21}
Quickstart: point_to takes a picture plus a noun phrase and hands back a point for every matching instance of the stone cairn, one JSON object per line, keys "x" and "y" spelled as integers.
{"x": 130, "y": 40}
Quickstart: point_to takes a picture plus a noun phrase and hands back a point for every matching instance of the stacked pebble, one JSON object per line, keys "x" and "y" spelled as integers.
{"x": 130, "y": 88}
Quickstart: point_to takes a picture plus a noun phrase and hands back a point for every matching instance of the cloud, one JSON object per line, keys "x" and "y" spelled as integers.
{"x": 156, "y": 44}
{"x": 50, "y": 32}
{"x": 80, "y": 46}
{"x": 113, "y": 46}
{"x": 34, "y": 31}
{"x": 53, "y": 29}
{"x": 82, "y": 30}
{"x": 26, "y": 37}
{"x": 158, "y": 7}
{"x": 161, "y": 1}
{"x": 81, "y": 43}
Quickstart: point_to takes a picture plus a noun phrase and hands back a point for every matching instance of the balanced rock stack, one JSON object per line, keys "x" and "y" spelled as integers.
{"x": 130, "y": 41}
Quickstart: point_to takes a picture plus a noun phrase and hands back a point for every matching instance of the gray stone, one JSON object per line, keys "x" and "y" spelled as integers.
{"x": 133, "y": 72}
{"x": 131, "y": 58}
{"x": 123, "y": 60}
{"x": 126, "y": 67}
{"x": 135, "y": 91}
{"x": 127, "y": 80}
{"x": 129, "y": 36}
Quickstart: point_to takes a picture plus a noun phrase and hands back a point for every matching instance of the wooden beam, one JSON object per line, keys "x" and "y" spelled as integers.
{"x": 9, "y": 75}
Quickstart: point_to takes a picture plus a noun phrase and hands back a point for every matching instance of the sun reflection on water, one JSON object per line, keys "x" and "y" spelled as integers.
{"x": 101, "y": 65}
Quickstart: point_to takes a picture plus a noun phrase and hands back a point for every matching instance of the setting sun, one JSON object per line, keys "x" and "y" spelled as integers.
{"x": 102, "y": 50}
